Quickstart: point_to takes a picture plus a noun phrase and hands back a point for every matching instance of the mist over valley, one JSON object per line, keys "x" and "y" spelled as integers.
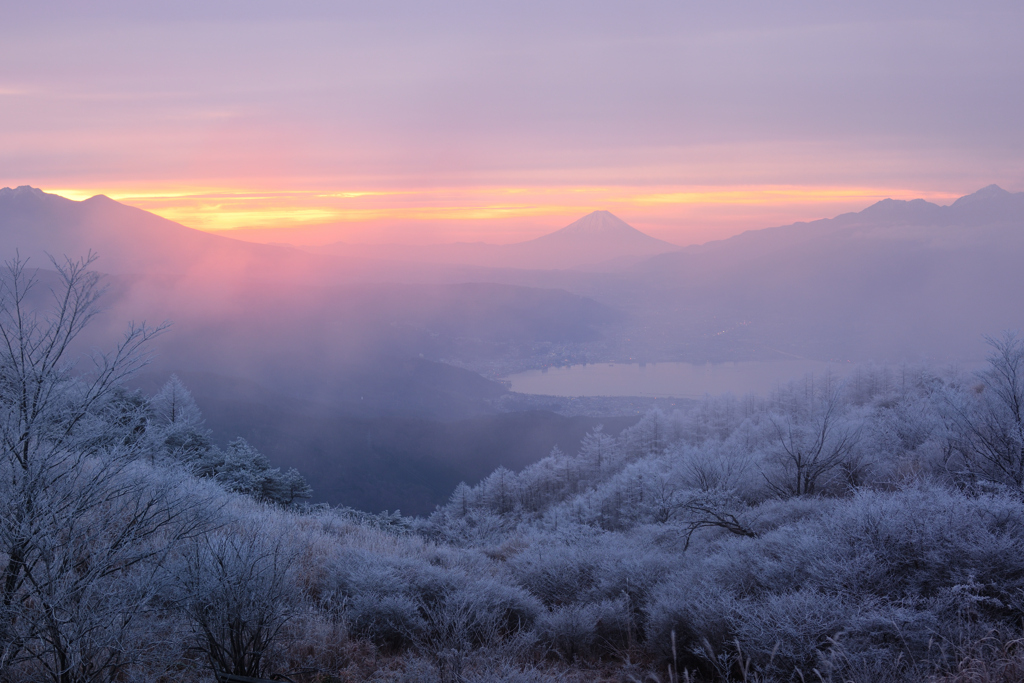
{"x": 466, "y": 471}
{"x": 533, "y": 342}
{"x": 308, "y": 356}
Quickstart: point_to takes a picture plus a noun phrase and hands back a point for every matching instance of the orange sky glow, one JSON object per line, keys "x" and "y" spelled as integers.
{"x": 419, "y": 123}
{"x": 683, "y": 215}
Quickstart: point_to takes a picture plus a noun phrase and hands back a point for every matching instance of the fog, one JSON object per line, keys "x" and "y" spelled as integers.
{"x": 330, "y": 456}
{"x": 269, "y": 337}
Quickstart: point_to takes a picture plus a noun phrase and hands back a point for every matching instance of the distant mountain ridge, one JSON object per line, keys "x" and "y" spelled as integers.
{"x": 601, "y": 226}
{"x": 600, "y": 240}
{"x": 895, "y": 280}
{"x": 989, "y": 204}
{"x": 991, "y": 207}
{"x": 129, "y": 240}
{"x": 900, "y": 279}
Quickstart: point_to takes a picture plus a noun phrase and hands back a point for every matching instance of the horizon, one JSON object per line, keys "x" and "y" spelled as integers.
{"x": 402, "y": 124}
{"x": 307, "y": 236}
{"x": 533, "y": 342}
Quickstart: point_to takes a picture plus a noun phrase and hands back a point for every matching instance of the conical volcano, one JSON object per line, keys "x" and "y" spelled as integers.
{"x": 600, "y": 237}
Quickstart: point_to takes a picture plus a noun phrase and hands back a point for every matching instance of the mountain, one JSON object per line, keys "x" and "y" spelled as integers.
{"x": 597, "y": 238}
{"x": 991, "y": 216}
{"x": 129, "y": 240}
{"x": 298, "y": 323}
{"x": 598, "y": 241}
{"x": 898, "y": 280}
{"x": 332, "y": 364}
{"x": 132, "y": 241}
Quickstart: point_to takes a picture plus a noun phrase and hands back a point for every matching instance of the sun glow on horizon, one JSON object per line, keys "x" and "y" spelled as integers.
{"x": 682, "y": 215}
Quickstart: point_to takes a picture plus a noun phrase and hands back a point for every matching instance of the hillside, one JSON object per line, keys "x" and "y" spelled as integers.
{"x": 598, "y": 241}
{"x": 133, "y": 241}
{"x": 263, "y": 330}
{"x": 899, "y": 280}
{"x": 129, "y": 240}
{"x": 597, "y": 238}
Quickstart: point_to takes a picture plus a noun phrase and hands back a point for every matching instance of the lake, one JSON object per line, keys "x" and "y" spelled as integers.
{"x": 679, "y": 380}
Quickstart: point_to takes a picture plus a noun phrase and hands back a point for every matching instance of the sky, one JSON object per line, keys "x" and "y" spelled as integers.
{"x": 413, "y": 122}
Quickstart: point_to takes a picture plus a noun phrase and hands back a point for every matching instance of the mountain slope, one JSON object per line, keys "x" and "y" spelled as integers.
{"x": 604, "y": 227}
{"x": 598, "y": 240}
{"x": 132, "y": 241}
{"x": 900, "y": 279}
{"x": 298, "y": 323}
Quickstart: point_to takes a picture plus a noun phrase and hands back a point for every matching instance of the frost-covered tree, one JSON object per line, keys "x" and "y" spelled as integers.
{"x": 461, "y": 500}
{"x": 174, "y": 405}
{"x": 128, "y": 416}
{"x": 989, "y": 422}
{"x": 595, "y": 451}
{"x": 811, "y": 440}
{"x": 652, "y": 434}
{"x": 177, "y": 426}
{"x": 238, "y": 597}
{"x": 177, "y": 431}
{"x": 243, "y": 469}
{"x": 79, "y": 516}
{"x": 499, "y": 490}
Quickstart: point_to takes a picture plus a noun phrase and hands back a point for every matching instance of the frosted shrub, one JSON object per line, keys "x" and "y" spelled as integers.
{"x": 777, "y": 562}
{"x": 357, "y": 571}
{"x": 474, "y": 611}
{"x": 558, "y": 575}
{"x": 468, "y": 617}
{"x": 914, "y": 544}
{"x": 781, "y": 633}
{"x": 426, "y": 583}
{"x": 721, "y": 465}
{"x": 893, "y": 639}
{"x": 499, "y": 609}
{"x": 629, "y": 570}
{"x": 774, "y": 513}
{"x": 617, "y": 627}
{"x": 372, "y": 596}
{"x": 314, "y": 641}
{"x": 690, "y": 612}
{"x": 403, "y": 601}
{"x": 387, "y": 620}
{"x": 906, "y": 576}
{"x": 239, "y": 594}
{"x": 570, "y": 630}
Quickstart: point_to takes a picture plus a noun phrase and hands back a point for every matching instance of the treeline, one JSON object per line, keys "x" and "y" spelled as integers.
{"x": 857, "y": 530}
{"x": 862, "y": 530}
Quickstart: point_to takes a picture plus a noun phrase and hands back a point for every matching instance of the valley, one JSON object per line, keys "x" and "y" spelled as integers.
{"x": 310, "y": 355}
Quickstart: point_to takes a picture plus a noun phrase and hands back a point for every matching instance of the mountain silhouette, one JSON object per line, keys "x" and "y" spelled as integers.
{"x": 598, "y": 241}
{"x": 898, "y": 280}
{"x": 600, "y": 237}
{"x": 36, "y": 225}
{"x": 601, "y": 227}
